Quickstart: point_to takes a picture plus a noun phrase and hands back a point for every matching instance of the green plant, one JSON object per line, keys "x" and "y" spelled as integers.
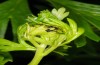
{"x": 85, "y": 15}
{"x": 46, "y": 33}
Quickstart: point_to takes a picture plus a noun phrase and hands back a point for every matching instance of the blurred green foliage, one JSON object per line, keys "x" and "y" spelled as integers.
{"x": 15, "y": 11}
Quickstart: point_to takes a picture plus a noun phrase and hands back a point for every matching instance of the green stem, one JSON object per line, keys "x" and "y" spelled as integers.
{"x": 39, "y": 55}
{"x": 34, "y": 43}
{"x": 49, "y": 50}
{"x": 29, "y": 47}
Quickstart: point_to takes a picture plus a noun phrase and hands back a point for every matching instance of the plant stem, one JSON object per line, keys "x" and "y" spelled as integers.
{"x": 47, "y": 51}
{"x": 38, "y": 55}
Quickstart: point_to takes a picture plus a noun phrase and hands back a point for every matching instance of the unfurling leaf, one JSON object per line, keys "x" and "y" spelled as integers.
{"x": 48, "y": 28}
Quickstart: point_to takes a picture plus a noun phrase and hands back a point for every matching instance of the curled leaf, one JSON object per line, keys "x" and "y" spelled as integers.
{"x": 48, "y": 29}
